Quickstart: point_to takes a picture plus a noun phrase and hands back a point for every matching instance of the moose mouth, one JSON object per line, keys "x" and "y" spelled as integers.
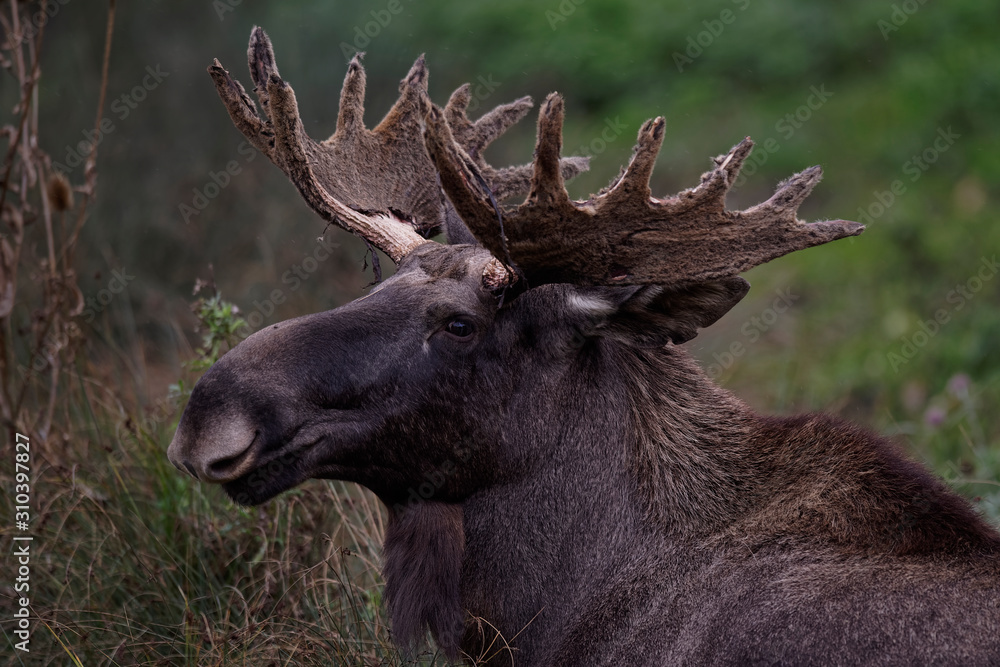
{"x": 270, "y": 478}
{"x": 259, "y": 486}
{"x": 294, "y": 463}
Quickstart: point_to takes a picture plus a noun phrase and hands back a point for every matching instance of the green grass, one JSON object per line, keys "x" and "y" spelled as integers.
{"x": 137, "y": 564}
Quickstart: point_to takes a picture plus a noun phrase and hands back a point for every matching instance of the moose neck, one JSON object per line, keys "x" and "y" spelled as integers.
{"x": 599, "y": 484}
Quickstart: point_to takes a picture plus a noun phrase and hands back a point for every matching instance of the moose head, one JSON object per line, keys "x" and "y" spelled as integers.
{"x": 582, "y": 484}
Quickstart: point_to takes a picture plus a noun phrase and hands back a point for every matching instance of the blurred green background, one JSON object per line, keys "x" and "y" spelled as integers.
{"x": 896, "y": 329}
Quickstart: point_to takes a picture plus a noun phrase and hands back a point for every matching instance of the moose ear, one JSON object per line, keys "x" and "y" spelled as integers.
{"x": 455, "y": 230}
{"x": 655, "y": 315}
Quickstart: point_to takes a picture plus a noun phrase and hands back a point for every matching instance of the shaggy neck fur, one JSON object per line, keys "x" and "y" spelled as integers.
{"x": 653, "y": 459}
{"x": 424, "y": 547}
{"x": 689, "y": 469}
{"x": 688, "y": 442}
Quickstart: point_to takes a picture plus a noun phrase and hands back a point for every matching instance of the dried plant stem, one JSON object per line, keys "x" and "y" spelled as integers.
{"x": 46, "y": 337}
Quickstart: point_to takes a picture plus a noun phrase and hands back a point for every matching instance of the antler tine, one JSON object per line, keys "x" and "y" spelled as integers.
{"x": 793, "y": 191}
{"x": 475, "y": 137}
{"x": 711, "y": 193}
{"x": 260, "y": 60}
{"x": 462, "y": 180}
{"x": 407, "y": 115}
{"x": 635, "y": 178}
{"x": 379, "y": 184}
{"x": 241, "y": 109}
{"x": 623, "y": 236}
{"x": 351, "y": 114}
{"x": 547, "y": 185}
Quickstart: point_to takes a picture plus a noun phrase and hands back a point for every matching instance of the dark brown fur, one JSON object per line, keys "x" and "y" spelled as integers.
{"x": 597, "y": 499}
{"x": 424, "y": 546}
{"x": 587, "y": 494}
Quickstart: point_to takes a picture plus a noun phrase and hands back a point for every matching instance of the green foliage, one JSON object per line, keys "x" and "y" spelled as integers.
{"x": 220, "y": 324}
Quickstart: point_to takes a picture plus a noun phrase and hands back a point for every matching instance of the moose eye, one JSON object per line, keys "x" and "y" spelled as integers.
{"x": 460, "y": 328}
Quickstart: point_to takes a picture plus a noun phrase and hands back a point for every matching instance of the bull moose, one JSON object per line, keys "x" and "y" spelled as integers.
{"x": 598, "y": 500}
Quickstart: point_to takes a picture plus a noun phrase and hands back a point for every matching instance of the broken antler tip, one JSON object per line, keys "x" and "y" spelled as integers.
{"x": 525, "y": 102}
{"x": 419, "y": 66}
{"x": 813, "y": 172}
{"x": 653, "y": 129}
{"x": 550, "y": 118}
{"x": 733, "y": 160}
{"x": 744, "y": 147}
{"x": 831, "y": 230}
{"x": 850, "y": 227}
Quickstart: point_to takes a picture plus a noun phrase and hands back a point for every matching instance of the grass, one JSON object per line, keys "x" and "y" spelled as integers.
{"x": 136, "y": 564}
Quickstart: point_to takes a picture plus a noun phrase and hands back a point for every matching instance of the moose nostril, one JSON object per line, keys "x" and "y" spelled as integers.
{"x": 229, "y": 468}
{"x": 220, "y": 467}
{"x": 190, "y": 468}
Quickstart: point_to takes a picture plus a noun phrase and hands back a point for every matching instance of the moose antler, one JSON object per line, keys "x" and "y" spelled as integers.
{"x": 475, "y": 137}
{"x": 624, "y": 236}
{"x": 379, "y": 184}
